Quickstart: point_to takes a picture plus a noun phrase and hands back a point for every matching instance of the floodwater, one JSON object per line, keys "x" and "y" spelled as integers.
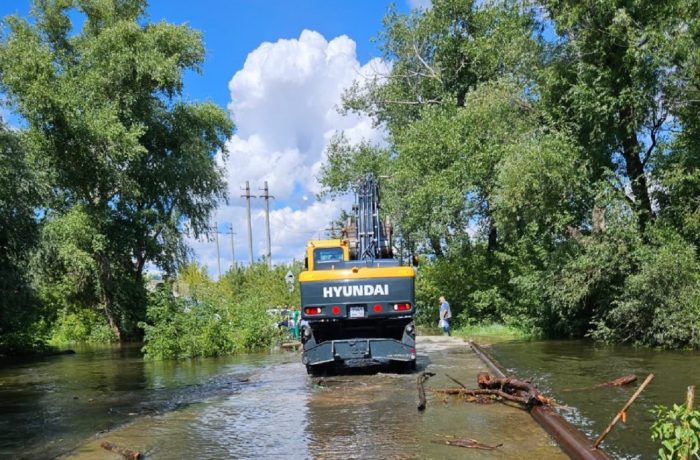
{"x": 558, "y": 365}
{"x": 252, "y": 406}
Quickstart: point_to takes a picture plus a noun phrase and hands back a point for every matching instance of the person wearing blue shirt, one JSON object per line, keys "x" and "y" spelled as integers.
{"x": 445, "y": 316}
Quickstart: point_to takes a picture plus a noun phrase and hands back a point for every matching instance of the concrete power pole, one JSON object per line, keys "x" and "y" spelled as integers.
{"x": 233, "y": 252}
{"x": 218, "y": 254}
{"x": 267, "y": 197}
{"x": 247, "y": 197}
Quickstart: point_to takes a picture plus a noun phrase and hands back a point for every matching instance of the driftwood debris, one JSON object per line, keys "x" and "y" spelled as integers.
{"x": 622, "y": 414}
{"x": 466, "y": 443}
{"x": 524, "y": 389}
{"x": 518, "y": 391}
{"x": 455, "y": 381}
{"x": 422, "y": 377}
{"x": 124, "y": 452}
{"x": 618, "y": 382}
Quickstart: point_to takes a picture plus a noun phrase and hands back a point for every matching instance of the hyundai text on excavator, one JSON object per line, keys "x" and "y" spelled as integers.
{"x": 357, "y": 301}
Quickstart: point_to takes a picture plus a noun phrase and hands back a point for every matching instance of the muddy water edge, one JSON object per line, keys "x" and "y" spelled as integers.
{"x": 251, "y": 406}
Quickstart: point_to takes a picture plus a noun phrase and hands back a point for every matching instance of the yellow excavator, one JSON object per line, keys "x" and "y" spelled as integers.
{"x": 357, "y": 301}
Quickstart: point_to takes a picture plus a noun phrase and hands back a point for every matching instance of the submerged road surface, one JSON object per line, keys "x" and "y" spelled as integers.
{"x": 275, "y": 410}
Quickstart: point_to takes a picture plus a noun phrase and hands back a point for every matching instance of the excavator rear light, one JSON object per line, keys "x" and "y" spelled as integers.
{"x": 402, "y": 306}
{"x": 335, "y": 310}
{"x": 313, "y": 310}
{"x": 378, "y": 308}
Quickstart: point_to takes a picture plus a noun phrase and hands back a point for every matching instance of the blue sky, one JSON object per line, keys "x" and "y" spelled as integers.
{"x": 279, "y": 67}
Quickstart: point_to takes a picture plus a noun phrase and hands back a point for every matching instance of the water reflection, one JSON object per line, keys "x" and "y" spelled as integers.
{"x": 50, "y": 404}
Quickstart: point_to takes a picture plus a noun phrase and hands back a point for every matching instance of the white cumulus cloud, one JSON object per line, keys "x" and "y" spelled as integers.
{"x": 284, "y": 102}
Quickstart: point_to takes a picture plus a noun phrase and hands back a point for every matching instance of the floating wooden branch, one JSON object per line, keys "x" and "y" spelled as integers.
{"x": 467, "y": 443}
{"x": 518, "y": 391}
{"x": 422, "y": 377}
{"x": 618, "y": 382}
{"x": 124, "y": 452}
{"x": 527, "y": 390}
{"x": 455, "y": 381}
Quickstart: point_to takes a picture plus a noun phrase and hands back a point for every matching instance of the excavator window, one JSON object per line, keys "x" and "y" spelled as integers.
{"x": 328, "y": 255}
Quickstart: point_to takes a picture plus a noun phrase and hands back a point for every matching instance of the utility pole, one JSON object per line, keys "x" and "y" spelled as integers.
{"x": 218, "y": 255}
{"x": 233, "y": 252}
{"x": 267, "y": 197}
{"x": 247, "y": 197}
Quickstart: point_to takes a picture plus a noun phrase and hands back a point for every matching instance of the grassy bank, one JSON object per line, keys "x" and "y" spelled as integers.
{"x": 493, "y": 331}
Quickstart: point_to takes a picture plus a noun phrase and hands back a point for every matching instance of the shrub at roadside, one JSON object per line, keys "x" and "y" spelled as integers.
{"x": 178, "y": 328}
{"x": 83, "y": 326}
{"x": 678, "y": 431}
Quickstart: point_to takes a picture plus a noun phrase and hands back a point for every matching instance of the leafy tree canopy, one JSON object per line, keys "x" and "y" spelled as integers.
{"x": 120, "y": 147}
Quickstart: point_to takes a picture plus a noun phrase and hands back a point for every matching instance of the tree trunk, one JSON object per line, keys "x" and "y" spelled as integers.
{"x": 107, "y": 283}
{"x": 638, "y": 180}
{"x": 111, "y": 320}
{"x": 435, "y": 245}
{"x": 598, "y": 219}
{"x": 493, "y": 237}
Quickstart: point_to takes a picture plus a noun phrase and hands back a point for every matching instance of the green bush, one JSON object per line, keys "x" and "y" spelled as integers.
{"x": 469, "y": 280}
{"x": 213, "y": 319}
{"x": 659, "y": 304}
{"x": 678, "y": 431}
{"x": 177, "y": 328}
{"x": 83, "y": 326}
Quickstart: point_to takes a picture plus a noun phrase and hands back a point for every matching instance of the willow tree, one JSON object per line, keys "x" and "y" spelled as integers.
{"x": 126, "y": 158}
{"x": 439, "y": 57}
{"x": 19, "y": 195}
{"x": 481, "y": 179}
{"x": 611, "y": 77}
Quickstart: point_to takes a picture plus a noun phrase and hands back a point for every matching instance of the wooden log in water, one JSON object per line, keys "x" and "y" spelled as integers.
{"x": 618, "y": 382}
{"x": 468, "y": 444}
{"x": 483, "y": 392}
{"x": 456, "y": 381}
{"x": 124, "y": 452}
{"x": 422, "y": 377}
{"x": 527, "y": 390}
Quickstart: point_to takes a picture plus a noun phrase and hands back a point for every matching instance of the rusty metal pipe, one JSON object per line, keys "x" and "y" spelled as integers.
{"x": 570, "y": 440}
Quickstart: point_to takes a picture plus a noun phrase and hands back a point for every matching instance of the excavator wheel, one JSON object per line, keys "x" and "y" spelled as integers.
{"x": 317, "y": 371}
{"x": 402, "y": 367}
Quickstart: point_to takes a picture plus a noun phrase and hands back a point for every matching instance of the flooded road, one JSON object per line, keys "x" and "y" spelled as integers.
{"x": 265, "y": 406}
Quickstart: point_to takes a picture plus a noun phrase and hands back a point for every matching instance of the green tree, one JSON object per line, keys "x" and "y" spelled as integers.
{"x": 127, "y": 160}
{"x": 608, "y": 77}
{"x": 551, "y": 181}
{"x": 449, "y": 64}
{"x": 20, "y": 194}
